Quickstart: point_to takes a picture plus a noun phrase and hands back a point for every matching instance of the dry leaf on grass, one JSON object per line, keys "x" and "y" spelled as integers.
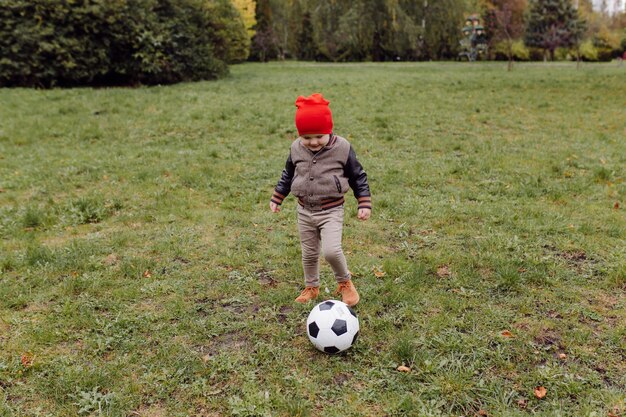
{"x": 443, "y": 271}
{"x": 616, "y": 205}
{"x": 147, "y": 274}
{"x": 27, "y": 359}
{"x": 506, "y": 333}
{"x": 403, "y": 368}
{"x": 540, "y": 392}
{"x": 522, "y": 403}
{"x": 379, "y": 273}
{"x": 615, "y": 412}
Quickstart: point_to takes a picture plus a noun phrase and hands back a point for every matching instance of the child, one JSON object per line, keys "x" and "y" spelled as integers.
{"x": 319, "y": 169}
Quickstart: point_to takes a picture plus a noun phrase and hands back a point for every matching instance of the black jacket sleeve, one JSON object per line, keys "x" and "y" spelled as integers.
{"x": 357, "y": 178}
{"x": 284, "y": 184}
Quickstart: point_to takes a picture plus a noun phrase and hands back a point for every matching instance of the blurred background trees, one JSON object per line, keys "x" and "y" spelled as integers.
{"x": 102, "y": 42}
{"x": 393, "y": 30}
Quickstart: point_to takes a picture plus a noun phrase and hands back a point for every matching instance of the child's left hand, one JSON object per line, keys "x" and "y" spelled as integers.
{"x": 364, "y": 214}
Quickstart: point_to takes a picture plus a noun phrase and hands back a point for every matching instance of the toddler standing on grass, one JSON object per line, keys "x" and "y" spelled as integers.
{"x": 320, "y": 168}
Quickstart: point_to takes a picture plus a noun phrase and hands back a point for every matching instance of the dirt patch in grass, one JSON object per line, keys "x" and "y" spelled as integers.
{"x": 265, "y": 278}
{"x": 548, "y": 340}
{"x": 154, "y": 410}
{"x": 227, "y": 343}
{"x": 341, "y": 378}
{"x": 283, "y": 313}
{"x": 575, "y": 257}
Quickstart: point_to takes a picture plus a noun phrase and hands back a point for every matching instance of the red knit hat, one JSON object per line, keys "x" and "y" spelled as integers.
{"x": 313, "y": 115}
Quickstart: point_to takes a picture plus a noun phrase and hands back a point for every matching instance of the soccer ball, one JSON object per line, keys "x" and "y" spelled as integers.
{"x": 332, "y": 326}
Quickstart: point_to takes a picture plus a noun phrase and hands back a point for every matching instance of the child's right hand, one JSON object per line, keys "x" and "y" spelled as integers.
{"x": 274, "y": 207}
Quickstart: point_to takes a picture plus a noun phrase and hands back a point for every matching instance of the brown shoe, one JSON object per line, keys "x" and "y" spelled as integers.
{"x": 308, "y": 294}
{"x": 349, "y": 295}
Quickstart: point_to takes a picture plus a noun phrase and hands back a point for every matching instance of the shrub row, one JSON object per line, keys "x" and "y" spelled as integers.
{"x": 117, "y": 42}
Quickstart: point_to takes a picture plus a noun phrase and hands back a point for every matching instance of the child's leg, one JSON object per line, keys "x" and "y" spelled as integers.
{"x": 331, "y": 228}
{"x": 310, "y": 243}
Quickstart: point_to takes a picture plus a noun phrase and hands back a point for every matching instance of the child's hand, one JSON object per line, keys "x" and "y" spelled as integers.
{"x": 364, "y": 214}
{"x": 274, "y": 207}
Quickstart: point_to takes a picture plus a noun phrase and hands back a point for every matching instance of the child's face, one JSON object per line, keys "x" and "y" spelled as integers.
{"x": 315, "y": 142}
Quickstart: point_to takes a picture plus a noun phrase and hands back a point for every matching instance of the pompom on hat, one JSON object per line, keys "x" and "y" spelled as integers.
{"x": 313, "y": 115}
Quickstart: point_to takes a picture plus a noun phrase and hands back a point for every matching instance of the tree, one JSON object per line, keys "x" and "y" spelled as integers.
{"x": 506, "y": 19}
{"x": 442, "y": 19}
{"x": 264, "y": 41}
{"x": 305, "y": 44}
{"x": 246, "y": 9}
{"x": 552, "y": 24}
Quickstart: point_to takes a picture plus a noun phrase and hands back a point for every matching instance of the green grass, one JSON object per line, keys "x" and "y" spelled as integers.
{"x": 144, "y": 274}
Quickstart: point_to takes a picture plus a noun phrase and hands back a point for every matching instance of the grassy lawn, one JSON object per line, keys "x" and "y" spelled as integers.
{"x": 142, "y": 273}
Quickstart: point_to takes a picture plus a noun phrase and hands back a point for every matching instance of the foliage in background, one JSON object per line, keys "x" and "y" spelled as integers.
{"x": 246, "y": 9}
{"x": 47, "y": 43}
{"x": 378, "y": 30}
{"x": 391, "y": 30}
{"x": 553, "y": 24}
{"x": 505, "y": 24}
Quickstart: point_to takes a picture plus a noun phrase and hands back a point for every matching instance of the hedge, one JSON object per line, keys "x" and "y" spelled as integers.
{"x": 48, "y": 43}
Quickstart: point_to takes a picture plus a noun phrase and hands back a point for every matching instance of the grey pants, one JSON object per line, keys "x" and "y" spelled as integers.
{"x": 322, "y": 229}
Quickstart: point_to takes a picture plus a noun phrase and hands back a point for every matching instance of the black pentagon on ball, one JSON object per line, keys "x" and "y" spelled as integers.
{"x": 331, "y": 349}
{"x": 351, "y": 311}
{"x": 326, "y": 305}
{"x": 313, "y": 329}
{"x": 355, "y": 336}
{"x": 340, "y": 327}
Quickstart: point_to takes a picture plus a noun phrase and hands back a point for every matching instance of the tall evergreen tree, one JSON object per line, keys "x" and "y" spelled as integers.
{"x": 553, "y": 24}
{"x": 306, "y": 49}
{"x": 264, "y": 42}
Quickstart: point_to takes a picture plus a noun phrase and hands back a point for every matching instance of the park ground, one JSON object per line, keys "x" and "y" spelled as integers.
{"x": 143, "y": 274}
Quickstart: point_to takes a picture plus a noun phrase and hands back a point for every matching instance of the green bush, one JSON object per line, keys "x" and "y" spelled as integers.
{"x": 519, "y": 49}
{"x": 588, "y": 52}
{"x": 93, "y": 42}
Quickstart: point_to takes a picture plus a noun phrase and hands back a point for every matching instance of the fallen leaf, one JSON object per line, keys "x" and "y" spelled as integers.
{"x": 147, "y": 274}
{"x": 522, "y": 270}
{"x": 506, "y": 333}
{"x": 540, "y": 392}
{"x": 443, "y": 271}
{"x": 482, "y": 413}
{"x": 562, "y": 356}
{"x": 27, "y": 359}
{"x": 522, "y": 403}
{"x": 616, "y": 205}
{"x": 378, "y": 273}
{"x": 403, "y": 368}
{"x": 615, "y": 412}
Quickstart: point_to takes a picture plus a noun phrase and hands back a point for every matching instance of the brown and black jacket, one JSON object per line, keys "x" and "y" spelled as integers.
{"x": 320, "y": 179}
